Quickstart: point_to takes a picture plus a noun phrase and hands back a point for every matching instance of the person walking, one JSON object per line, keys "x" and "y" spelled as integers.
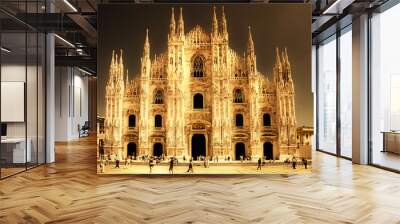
{"x": 190, "y": 169}
{"x": 171, "y": 166}
{"x": 151, "y": 164}
{"x": 117, "y": 163}
{"x": 305, "y": 163}
{"x": 259, "y": 164}
{"x": 294, "y": 162}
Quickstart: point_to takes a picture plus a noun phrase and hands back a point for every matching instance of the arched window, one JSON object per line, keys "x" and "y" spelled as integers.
{"x": 238, "y": 96}
{"x": 239, "y": 120}
{"x": 132, "y": 121}
{"x": 158, "y": 97}
{"x": 158, "y": 121}
{"x": 266, "y": 119}
{"x": 198, "y": 101}
{"x": 198, "y": 66}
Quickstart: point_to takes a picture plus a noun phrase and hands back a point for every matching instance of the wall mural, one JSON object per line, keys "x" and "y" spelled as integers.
{"x": 199, "y": 105}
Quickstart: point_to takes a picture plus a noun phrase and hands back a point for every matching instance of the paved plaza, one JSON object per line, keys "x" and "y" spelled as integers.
{"x": 214, "y": 168}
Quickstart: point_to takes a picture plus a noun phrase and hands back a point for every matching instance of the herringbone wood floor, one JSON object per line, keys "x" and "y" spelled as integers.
{"x": 70, "y": 191}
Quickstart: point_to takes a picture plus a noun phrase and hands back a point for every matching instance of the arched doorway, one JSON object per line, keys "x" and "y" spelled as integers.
{"x": 131, "y": 150}
{"x": 157, "y": 149}
{"x": 239, "y": 150}
{"x": 198, "y": 146}
{"x": 268, "y": 151}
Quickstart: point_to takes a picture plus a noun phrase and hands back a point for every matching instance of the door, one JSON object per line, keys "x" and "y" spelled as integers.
{"x": 239, "y": 150}
{"x": 268, "y": 151}
{"x": 198, "y": 146}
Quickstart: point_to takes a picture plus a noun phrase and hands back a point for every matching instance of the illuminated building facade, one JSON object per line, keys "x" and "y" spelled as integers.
{"x": 201, "y": 98}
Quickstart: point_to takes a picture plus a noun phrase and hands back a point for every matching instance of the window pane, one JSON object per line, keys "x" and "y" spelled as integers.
{"x": 31, "y": 97}
{"x": 385, "y": 84}
{"x": 41, "y": 98}
{"x": 327, "y": 96}
{"x": 346, "y": 94}
{"x": 14, "y": 152}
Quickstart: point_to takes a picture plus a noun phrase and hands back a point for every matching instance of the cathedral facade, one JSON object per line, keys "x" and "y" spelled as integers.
{"x": 200, "y": 98}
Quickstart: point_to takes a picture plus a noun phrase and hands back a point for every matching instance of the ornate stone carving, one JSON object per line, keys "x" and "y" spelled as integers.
{"x": 200, "y": 62}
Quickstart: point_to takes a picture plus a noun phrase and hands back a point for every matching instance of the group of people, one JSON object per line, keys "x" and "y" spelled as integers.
{"x": 294, "y": 162}
{"x": 111, "y": 158}
{"x": 173, "y": 161}
{"x": 172, "y": 164}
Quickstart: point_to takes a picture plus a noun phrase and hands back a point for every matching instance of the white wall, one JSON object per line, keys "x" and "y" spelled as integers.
{"x": 33, "y": 127}
{"x": 16, "y": 73}
{"x": 71, "y": 102}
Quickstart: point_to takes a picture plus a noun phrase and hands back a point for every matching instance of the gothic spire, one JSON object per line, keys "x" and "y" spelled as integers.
{"x": 214, "y": 23}
{"x": 145, "y": 60}
{"x": 172, "y": 24}
{"x": 224, "y": 26}
{"x": 121, "y": 66}
{"x": 112, "y": 66}
{"x": 112, "y": 60}
{"x": 287, "y": 57}
{"x": 146, "y": 48}
{"x": 181, "y": 30}
{"x": 278, "y": 59}
{"x": 121, "y": 60}
{"x": 250, "y": 42}
{"x": 277, "y": 67}
{"x": 288, "y": 69}
{"x": 127, "y": 79}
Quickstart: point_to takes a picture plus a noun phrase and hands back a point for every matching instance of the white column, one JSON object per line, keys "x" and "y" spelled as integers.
{"x": 50, "y": 98}
{"x": 360, "y": 90}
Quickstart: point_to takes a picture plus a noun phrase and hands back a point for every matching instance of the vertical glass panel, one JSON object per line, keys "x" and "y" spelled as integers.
{"x": 13, "y": 86}
{"x": 41, "y": 98}
{"x": 327, "y": 96}
{"x": 314, "y": 87}
{"x": 31, "y": 98}
{"x": 385, "y": 89}
{"x": 346, "y": 94}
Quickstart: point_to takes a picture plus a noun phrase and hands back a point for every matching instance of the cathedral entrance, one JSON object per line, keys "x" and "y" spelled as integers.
{"x": 157, "y": 149}
{"x": 198, "y": 146}
{"x": 239, "y": 150}
{"x": 131, "y": 150}
{"x": 268, "y": 151}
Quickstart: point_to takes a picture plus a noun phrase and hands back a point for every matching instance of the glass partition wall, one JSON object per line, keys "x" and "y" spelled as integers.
{"x": 334, "y": 93}
{"x": 326, "y": 107}
{"x": 385, "y": 89}
{"x": 345, "y": 93}
{"x": 22, "y": 98}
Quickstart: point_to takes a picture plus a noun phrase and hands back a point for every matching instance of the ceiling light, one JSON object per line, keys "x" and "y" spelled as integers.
{"x": 5, "y": 50}
{"x": 70, "y": 5}
{"x": 84, "y": 71}
{"x": 65, "y": 41}
{"x": 338, "y": 6}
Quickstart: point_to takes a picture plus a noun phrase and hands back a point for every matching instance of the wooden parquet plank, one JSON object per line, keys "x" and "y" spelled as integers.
{"x": 70, "y": 191}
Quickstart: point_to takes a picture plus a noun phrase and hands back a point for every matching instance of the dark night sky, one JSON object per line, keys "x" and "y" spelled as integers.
{"x": 273, "y": 25}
